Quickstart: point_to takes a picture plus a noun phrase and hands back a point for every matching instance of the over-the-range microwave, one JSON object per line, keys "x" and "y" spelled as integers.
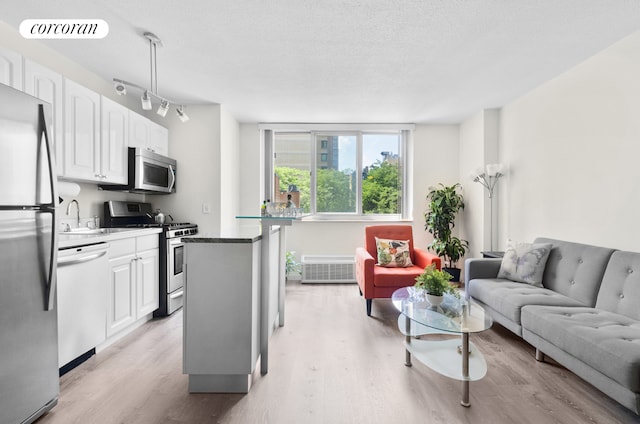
{"x": 149, "y": 173}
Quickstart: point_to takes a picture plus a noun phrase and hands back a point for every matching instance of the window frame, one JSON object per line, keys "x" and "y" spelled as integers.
{"x": 404, "y": 131}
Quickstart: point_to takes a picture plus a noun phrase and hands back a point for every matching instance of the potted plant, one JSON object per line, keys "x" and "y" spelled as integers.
{"x": 444, "y": 204}
{"x": 435, "y": 283}
{"x": 290, "y": 264}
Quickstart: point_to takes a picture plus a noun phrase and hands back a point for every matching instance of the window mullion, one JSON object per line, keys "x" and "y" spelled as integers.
{"x": 358, "y": 170}
{"x": 313, "y": 177}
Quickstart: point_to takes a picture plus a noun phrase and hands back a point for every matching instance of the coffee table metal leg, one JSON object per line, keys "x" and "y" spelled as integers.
{"x": 465, "y": 370}
{"x": 407, "y": 338}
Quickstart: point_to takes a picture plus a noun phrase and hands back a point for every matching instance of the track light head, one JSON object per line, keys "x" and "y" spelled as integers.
{"x": 181, "y": 114}
{"x": 146, "y": 101}
{"x": 163, "y": 108}
{"x": 121, "y": 89}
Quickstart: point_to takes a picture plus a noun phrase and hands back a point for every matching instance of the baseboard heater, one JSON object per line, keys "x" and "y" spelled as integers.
{"x": 328, "y": 269}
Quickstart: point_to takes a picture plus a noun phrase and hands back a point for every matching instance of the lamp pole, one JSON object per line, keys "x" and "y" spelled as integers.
{"x": 489, "y": 178}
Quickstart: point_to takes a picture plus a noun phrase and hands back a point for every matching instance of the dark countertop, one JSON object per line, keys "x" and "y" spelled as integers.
{"x": 237, "y": 236}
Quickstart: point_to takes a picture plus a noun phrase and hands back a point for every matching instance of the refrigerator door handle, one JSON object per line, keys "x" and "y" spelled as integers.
{"x": 50, "y": 289}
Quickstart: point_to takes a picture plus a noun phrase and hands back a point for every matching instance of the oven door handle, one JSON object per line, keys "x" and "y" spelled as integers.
{"x": 177, "y": 294}
{"x": 175, "y": 242}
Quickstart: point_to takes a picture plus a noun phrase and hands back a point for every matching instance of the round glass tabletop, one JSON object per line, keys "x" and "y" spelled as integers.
{"x": 455, "y": 315}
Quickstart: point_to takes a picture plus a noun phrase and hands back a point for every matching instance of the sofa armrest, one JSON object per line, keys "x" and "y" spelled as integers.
{"x": 481, "y": 268}
{"x": 424, "y": 259}
{"x": 364, "y": 271}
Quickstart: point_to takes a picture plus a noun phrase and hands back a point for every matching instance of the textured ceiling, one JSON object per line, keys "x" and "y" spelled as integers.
{"x": 341, "y": 60}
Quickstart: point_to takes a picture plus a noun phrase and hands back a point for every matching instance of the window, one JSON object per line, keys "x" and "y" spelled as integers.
{"x": 342, "y": 173}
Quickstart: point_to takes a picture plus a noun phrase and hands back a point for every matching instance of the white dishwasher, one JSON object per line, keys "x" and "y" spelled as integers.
{"x": 83, "y": 274}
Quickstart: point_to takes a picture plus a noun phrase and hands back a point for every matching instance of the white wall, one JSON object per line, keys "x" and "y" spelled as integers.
{"x": 229, "y": 170}
{"x": 251, "y": 167}
{"x": 195, "y": 144}
{"x": 572, "y": 146}
{"x": 478, "y": 147}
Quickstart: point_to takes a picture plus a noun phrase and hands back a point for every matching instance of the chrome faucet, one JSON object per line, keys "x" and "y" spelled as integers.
{"x": 77, "y": 208}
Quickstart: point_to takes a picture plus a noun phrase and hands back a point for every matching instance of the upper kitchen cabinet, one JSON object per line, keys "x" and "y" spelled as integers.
{"x": 45, "y": 84}
{"x": 146, "y": 134}
{"x": 114, "y": 142}
{"x": 81, "y": 132}
{"x": 159, "y": 140}
{"x": 10, "y": 68}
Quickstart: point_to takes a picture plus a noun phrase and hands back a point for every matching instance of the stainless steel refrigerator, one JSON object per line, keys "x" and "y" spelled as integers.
{"x": 29, "y": 380}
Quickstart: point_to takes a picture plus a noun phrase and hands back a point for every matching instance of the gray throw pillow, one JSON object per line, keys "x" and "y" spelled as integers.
{"x": 525, "y": 262}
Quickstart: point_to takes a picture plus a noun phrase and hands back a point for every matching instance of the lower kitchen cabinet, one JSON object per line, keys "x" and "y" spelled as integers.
{"x": 133, "y": 290}
{"x": 147, "y": 282}
{"x": 121, "y": 311}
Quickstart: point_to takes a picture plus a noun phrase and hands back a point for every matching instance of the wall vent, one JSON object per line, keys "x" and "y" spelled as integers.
{"x": 328, "y": 269}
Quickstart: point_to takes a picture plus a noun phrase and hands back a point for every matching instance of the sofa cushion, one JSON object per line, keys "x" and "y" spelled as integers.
{"x": 508, "y": 297}
{"x": 575, "y": 270}
{"x": 604, "y": 340}
{"x": 620, "y": 288}
{"x": 524, "y": 262}
{"x": 396, "y": 277}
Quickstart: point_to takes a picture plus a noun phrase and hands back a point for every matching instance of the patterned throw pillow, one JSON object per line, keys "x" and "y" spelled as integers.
{"x": 525, "y": 262}
{"x": 393, "y": 253}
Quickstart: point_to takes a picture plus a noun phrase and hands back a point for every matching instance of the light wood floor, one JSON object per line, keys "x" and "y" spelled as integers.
{"x": 330, "y": 363}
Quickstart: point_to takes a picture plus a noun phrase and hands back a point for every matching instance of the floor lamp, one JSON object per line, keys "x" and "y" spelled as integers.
{"x": 488, "y": 177}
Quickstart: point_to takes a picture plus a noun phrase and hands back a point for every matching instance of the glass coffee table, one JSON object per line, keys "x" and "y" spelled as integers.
{"x": 451, "y": 357}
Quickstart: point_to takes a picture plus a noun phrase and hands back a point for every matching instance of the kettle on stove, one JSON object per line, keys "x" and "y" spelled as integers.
{"x": 159, "y": 217}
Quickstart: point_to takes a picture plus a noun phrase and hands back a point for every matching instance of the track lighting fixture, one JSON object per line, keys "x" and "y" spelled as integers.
{"x": 181, "y": 114}
{"x": 148, "y": 94}
{"x": 146, "y": 100}
{"x": 121, "y": 89}
{"x": 163, "y": 108}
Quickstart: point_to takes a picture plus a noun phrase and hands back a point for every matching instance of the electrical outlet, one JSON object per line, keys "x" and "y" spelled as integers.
{"x": 206, "y": 208}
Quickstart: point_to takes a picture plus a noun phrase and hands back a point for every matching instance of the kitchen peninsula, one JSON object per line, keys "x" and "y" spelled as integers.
{"x": 228, "y": 306}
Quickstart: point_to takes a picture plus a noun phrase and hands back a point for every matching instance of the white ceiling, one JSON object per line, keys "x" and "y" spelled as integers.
{"x": 436, "y": 61}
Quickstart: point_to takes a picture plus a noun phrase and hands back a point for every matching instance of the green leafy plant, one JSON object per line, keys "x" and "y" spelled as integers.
{"x": 435, "y": 282}
{"x": 290, "y": 264}
{"x": 444, "y": 204}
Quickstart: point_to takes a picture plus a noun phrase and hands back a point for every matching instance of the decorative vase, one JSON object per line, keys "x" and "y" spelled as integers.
{"x": 434, "y": 300}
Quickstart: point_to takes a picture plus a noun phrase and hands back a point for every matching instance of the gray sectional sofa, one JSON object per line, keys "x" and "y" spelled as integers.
{"x": 586, "y": 316}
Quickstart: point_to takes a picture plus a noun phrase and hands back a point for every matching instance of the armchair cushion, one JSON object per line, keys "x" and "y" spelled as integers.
{"x": 393, "y": 253}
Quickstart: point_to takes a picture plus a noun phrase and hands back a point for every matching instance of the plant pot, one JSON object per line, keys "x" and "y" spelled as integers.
{"x": 455, "y": 273}
{"x": 434, "y": 300}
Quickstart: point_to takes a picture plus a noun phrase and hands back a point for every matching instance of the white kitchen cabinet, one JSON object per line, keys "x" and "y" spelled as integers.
{"x": 82, "y": 133}
{"x": 147, "y": 282}
{"x": 45, "y": 84}
{"x": 134, "y": 281}
{"x": 146, "y": 134}
{"x": 113, "y": 142}
{"x": 121, "y": 296}
{"x": 159, "y": 140}
{"x": 10, "y": 68}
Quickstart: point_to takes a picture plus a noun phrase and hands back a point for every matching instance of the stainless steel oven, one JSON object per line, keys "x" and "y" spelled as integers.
{"x": 172, "y": 269}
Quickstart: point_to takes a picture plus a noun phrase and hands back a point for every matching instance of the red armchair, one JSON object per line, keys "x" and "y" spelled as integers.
{"x": 377, "y": 282}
